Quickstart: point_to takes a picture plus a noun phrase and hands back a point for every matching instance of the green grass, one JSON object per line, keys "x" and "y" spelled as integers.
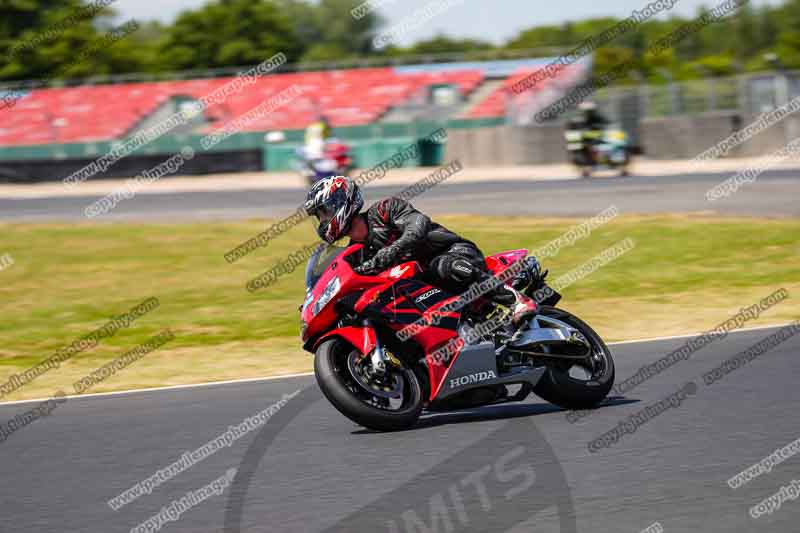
{"x": 685, "y": 273}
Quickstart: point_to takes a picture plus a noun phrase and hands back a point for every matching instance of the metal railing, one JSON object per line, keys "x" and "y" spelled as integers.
{"x": 746, "y": 94}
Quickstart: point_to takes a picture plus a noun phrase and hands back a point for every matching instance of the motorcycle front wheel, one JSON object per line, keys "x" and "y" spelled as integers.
{"x": 390, "y": 402}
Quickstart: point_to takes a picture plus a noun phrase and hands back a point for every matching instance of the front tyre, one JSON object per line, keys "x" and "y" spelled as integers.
{"x": 577, "y": 384}
{"x": 388, "y": 404}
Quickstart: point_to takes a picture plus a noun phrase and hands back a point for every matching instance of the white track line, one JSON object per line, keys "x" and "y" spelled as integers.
{"x": 306, "y": 374}
{"x": 669, "y": 337}
{"x": 168, "y": 387}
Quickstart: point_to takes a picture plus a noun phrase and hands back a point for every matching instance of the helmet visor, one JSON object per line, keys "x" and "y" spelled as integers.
{"x": 324, "y": 213}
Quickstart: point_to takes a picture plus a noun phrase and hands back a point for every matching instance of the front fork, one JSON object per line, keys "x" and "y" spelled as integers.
{"x": 378, "y": 357}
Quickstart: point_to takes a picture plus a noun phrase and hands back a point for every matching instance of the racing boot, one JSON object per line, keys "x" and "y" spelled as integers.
{"x": 523, "y": 309}
{"x": 521, "y": 306}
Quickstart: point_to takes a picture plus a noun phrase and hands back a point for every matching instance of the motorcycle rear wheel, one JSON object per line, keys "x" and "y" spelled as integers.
{"x": 561, "y": 387}
{"x": 334, "y": 377}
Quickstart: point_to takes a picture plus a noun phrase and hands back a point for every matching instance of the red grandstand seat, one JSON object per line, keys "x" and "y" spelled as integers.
{"x": 106, "y": 112}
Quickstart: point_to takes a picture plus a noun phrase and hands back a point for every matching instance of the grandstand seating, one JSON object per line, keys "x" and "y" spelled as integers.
{"x": 496, "y": 102}
{"x": 346, "y": 97}
{"x": 105, "y": 112}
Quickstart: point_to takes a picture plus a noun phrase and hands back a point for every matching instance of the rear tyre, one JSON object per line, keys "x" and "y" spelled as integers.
{"x": 561, "y": 386}
{"x": 337, "y": 383}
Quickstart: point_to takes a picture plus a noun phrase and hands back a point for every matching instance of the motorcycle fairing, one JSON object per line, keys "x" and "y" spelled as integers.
{"x": 497, "y": 263}
{"x": 408, "y": 301}
{"x": 363, "y": 339}
{"x": 350, "y": 282}
{"x": 393, "y": 301}
{"x": 475, "y": 366}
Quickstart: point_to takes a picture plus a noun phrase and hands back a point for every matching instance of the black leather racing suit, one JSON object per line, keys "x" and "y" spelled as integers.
{"x": 450, "y": 261}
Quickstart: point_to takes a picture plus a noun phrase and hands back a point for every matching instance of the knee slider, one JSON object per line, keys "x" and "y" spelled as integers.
{"x": 462, "y": 271}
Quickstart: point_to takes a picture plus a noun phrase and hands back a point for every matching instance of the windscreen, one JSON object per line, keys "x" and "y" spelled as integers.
{"x": 318, "y": 263}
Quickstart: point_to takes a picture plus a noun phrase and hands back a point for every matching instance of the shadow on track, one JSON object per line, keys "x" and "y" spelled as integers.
{"x": 493, "y": 412}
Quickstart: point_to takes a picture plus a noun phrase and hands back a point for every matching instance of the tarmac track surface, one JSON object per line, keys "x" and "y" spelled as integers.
{"x": 517, "y": 467}
{"x": 772, "y": 194}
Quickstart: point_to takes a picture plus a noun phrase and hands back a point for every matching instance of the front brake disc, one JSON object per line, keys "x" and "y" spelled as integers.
{"x": 390, "y": 386}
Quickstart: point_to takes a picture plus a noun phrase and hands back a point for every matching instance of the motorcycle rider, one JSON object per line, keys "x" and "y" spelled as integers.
{"x": 313, "y": 153}
{"x": 592, "y": 118}
{"x": 392, "y": 231}
{"x": 590, "y": 121}
{"x": 316, "y": 137}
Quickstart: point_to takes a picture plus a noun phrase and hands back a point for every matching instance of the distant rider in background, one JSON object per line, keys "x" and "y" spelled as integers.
{"x": 590, "y": 122}
{"x": 314, "y": 150}
{"x": 591, "y": 118}
{"x": 317, "y": 135}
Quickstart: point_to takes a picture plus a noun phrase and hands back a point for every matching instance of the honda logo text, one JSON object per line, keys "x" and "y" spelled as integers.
{"x": 472, "y": 378}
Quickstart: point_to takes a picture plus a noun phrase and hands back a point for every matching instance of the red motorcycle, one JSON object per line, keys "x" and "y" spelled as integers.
{"x": 389, "y": 345}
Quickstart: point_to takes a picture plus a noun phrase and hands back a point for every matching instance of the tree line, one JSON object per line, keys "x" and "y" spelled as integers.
{"x": 40, "y": 39}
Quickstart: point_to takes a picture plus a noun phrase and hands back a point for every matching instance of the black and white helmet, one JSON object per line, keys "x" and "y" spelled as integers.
{"x": 335, "y": 201}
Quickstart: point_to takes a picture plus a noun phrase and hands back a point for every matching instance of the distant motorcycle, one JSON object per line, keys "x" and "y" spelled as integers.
{"x": 450, "y": 358}
{"x": 336, "y": 161}
{"x": 592, "y": 150}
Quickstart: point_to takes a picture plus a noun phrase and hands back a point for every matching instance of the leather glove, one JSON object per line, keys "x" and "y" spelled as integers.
{"x": 366, "y": 268}
{"x": 384, "y": 258}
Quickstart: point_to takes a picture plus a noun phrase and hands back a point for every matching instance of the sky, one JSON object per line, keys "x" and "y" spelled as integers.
{"x": 491, "y": 20}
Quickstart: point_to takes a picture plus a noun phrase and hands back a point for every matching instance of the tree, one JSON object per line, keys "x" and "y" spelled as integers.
{"x": 768, "y": 28}
{"x": 442, "y": 44}
{"x": 301, "y": 16}
{"x": 746, "y": 31}
{"x": 543, "y": 37}
{"x": 715, "y": 65}
{"x": 789, "y": 49}
{"x": 41, "y": 39}
{"x": 324, "y": 52}
{"x": 608, "y": 58}
{"x": 20, "y": 16}
{"x": 789, "y": 40}
{"x": 328, "y": 31}
{"x": 228, "y": 33}
{"x": 336, "y": 26}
